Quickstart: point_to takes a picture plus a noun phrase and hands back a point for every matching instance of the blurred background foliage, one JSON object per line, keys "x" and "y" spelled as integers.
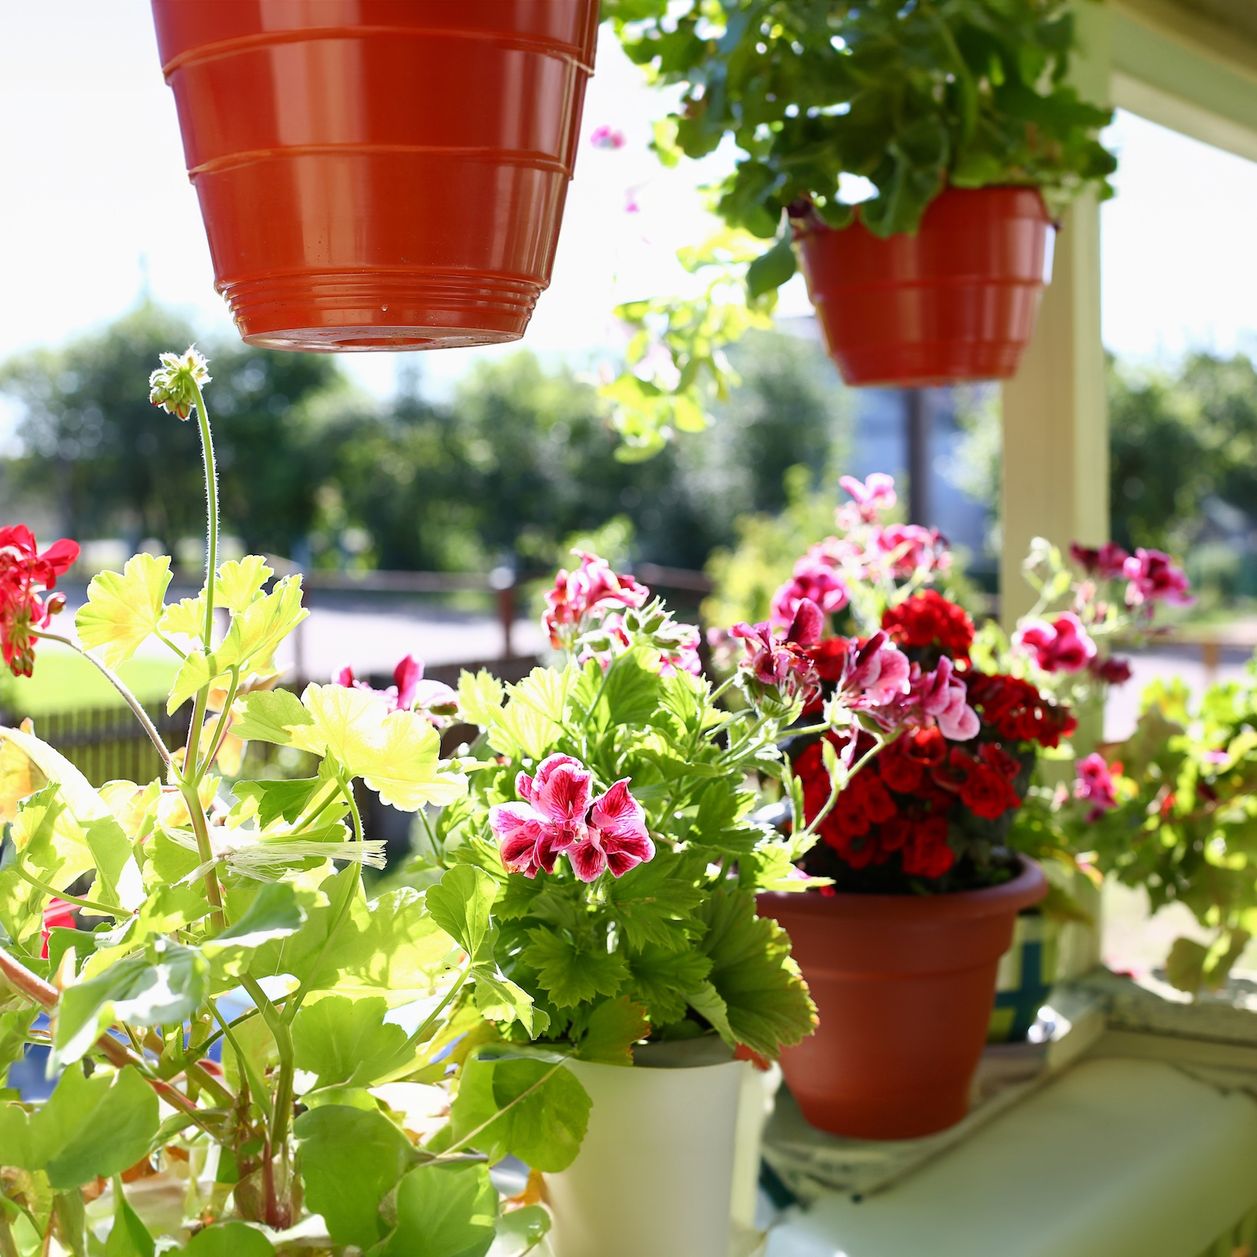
{"x": 518, "y": 460}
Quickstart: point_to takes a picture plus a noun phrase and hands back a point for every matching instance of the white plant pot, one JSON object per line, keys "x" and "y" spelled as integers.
{"x": 654, "y": 1176}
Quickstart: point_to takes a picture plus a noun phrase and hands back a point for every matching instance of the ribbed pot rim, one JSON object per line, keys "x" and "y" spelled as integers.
{"x": 1028, "y": 887}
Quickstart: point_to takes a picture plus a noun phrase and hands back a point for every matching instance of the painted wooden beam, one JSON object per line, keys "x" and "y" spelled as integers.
{"x": 1187, "y": 72}
{"x": 1055, "y": 414}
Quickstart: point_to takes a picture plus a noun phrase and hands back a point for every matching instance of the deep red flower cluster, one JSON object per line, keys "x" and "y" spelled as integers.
{"x": 905, "y": 802}
{"x": 25, "y": 577}
{"x": 933, "y": 793}
{"x": 1016, "y": 711}
{"x": 929, "y": 620}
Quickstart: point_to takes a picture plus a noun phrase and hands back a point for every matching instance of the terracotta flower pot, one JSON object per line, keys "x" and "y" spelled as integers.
{"x": 904, "y": 986}
{"x": 376, "y": 174}
{"x": 956, "y": 301}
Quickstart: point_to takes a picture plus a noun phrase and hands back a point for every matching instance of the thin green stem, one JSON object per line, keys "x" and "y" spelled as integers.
{"x": 437, "y": 854}
{"x": 211, "y": 513}
{"x": 281, "y": 1113}
{"x": 420, "y": 1035}
{"x": 205, "y": 849}
{"x": 256, "y": 1084}
{"x": 116, "y": 681}
{"x": 224, "y": 724}
{"x": 165, "y": 641}
{"x": 89, "y": 905}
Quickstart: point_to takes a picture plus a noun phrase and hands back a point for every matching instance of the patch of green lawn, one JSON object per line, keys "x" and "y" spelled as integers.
{"x": 65, "y": 681}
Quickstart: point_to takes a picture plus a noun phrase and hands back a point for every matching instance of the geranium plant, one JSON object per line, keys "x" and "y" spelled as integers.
{"x": 1173, "y": 809}
{"x": 940, "y": 807}
{"x": 612, "y": 805}
{"x": 238, "y": 1031}
{"x": 830, "y": 110}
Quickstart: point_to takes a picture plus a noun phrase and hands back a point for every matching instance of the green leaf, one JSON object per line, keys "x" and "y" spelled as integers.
{"x": 240, "y": 582}
{"x": 770, "y": 270}
{"x": 390, "y": 947}
{"x": 274, "y": 913}
{"x": 655, "y": 903}
{"x": 397, "y": 753}
{"x": 541, "y": 1111}
{"x": 612, "y": 1029}
{"x": 89, "y": 1128}
{"x": 480, "y": 697}
{"x": 499, "y": 999}
{"x": 347, "y": 1042}
{"x": 279, "y": 800}
{"x": 570, "y": 975}
{"x": 228, "y": 1239}
{"x": 123, "y": 610}
{"x": 270, "y": 716}
{"x": 460, "y": 904}
{"x": 349, "y": 1161}
{"x": 523, "y": 1229}
{"x": 185, "y": 618}
{"x": 767, "y": 1001}
{"x": 443, "y": 1211}
{"x": 532, "y": 720}
{"x": 164, "y": 987}
{"x": 129, "y": 1237}
{"x": 666, "y": 979}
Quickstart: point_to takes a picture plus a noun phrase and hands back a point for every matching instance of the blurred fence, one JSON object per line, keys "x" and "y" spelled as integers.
{"x": 107, "y": 744}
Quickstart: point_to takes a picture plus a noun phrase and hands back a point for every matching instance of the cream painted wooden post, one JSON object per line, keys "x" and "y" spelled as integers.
{"x": 1055, "y": 481}
{"x": 1055, "y": 416}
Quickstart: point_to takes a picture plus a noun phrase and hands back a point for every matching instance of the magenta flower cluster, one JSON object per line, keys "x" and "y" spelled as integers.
{"x": 559, "y": 816}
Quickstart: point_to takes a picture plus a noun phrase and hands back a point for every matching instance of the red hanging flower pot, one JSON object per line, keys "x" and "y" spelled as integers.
{"x": 374, "y": 174}
{"x": 904, "y": 986}
{"x": 956, "y": 301}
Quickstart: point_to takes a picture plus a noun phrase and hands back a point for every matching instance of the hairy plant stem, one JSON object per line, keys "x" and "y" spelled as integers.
{"x": 194, "y": 771}
{"x": 117, "y": 682}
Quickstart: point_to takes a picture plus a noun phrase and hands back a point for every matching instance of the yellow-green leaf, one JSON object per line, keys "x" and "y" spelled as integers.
{"x": 185, "y": 618}
{"x": 240, "y": 582}
{"x": 124, "y": 609}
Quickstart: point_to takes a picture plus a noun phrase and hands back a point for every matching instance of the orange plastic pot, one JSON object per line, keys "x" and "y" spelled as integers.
{"x": 956, "y": 301}
{"x": 379, "y": 174}
{"x": 904, "y": 985}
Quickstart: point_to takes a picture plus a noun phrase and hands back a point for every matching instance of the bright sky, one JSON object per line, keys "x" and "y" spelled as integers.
{"x": 95, "y": 198}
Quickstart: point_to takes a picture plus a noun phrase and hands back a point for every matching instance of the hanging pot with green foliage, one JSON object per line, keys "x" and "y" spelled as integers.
{"x": 912, "y": 156}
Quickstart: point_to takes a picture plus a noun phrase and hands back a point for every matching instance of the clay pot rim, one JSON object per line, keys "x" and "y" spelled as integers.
{"x": 1028, "y": 887}
{"x": 811, "y": 223}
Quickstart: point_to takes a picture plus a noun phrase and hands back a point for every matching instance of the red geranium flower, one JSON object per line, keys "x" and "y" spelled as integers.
{"x": 25, "y": 575}
{"x": 928, "y": 619}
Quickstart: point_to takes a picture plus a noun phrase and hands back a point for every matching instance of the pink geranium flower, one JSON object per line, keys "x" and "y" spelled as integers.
{"x": 590, "y": 585}
{"x": 877, "y": 675}
{"x": 559, "y": 816}
{"x": 814, "y": 581}
{"x": 872, "y": 496}
{"x": 941, "y": 696}
{"x": 1061, "y": 645}
{"x": 409, "y": 691}
{"x": 1107, "y": 561}
{"x": 779, "y": 660}
{"x": 1094, "y": 784}
{"x": 911, "y": 548}
{"x": 605, "y": 136}
{"x": 1152, "y": 576}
